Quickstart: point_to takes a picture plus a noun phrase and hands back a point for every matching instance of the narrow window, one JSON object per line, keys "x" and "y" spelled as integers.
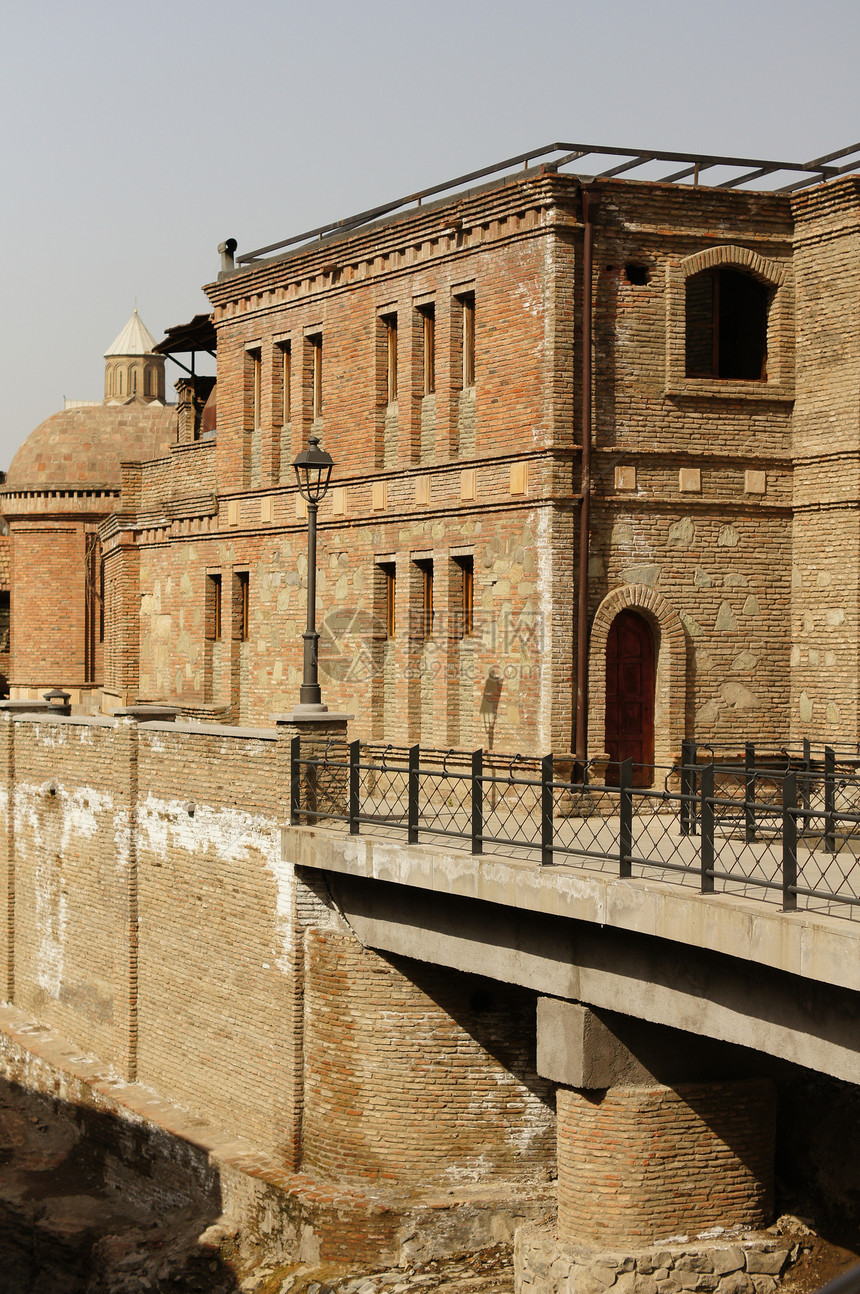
{"x": 213, "y": 607}
{"x": 425, "y": 566}
{"x": 468, "y": 304}
{"x": 119, "y": 382}
{"x": 390, "y": 325}
{"x": 467, "y": 595}
{"x": 726, "y": 326}
{"x": 428, "y": 322}
{"x": 134, "y": 382}
{"x": 286, "y": 375}
{"x": 256, "y": 385}
{"x": 243, "y": 609}
{"x": 389, "y": 574}
{"x": 316, "y": 375}
{"x": 102, "y": 600}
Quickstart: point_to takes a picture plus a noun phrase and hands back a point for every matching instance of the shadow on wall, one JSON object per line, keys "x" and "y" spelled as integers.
{"x": 92, "y": 1204}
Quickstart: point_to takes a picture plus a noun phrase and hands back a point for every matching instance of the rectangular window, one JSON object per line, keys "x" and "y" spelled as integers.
{"x": 213, "y": 608}
{"x": 316, "y": 344}
{"x": 467, "y": 301}
{"x": 389, "y": 323}
{"x": 243, "y": 605}
{"x": 467, "y": 595}
{"x": 286, "y": 375}
{"x": 428, "y": 323}
{"x": 425, "y": 566}
{"x": 389, "y": 575}
{"x": 256, "y": 359}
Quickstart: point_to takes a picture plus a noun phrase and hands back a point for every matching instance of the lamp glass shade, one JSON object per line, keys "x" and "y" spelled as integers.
{"x": 313, "y": 471}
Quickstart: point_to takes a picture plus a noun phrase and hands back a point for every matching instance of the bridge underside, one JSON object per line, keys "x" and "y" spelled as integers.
{"x": 708, "y": 967}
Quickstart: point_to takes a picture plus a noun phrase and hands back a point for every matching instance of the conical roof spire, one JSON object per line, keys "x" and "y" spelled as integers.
{"x": 135, "y": 339}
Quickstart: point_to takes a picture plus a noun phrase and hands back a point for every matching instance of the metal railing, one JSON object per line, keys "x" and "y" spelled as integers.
{"x": 783, "y": 828}
{"x": 733, "y": 172}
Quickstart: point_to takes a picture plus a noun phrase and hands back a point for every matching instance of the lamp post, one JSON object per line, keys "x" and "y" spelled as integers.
{"x": 313, "y": 472}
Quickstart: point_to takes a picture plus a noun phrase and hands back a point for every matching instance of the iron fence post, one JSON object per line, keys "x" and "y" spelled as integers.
{"x": 686, "y": 761}
{"x": 625, "y": 815}
{"x": 546, "y": 808}
{"x": 749, "y": 791}
{"x": 354, "y": 799}
{"x": 807, "y": 773}
{"x": 789, "y": 842}
{"x": 477, "y": 801}
{"x": 829, "y": 800}
{"x": 295, "y": 781}
{"x": 412, "y": 809}
{"x": 706, "y": 854}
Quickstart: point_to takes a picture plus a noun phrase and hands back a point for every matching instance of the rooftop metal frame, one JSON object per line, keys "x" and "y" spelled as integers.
{"x": 694, "y": 164}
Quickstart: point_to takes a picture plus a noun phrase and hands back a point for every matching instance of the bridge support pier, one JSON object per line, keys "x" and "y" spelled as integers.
{"x": 649, "y": 1146}
{"x": 638, "y": 1164}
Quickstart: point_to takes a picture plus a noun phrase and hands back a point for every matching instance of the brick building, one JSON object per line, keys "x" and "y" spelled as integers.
{"x": 683, "y": 358}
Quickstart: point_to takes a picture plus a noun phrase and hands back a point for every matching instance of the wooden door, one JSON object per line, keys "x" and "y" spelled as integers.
{"x": 630, "y": 696}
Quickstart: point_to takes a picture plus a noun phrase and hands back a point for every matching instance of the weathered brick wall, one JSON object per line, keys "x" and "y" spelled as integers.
{"x": 641, "y": 1164}
{"x": 146, "y": 913}
{"x": 417, "y": 1076}
{"x": 217, "y": 954}
{"x": 70, "y": 917}
{"x": 826, "y": 560}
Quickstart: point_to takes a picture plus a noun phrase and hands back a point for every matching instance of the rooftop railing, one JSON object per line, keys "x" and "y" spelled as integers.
{"x": 648, "y": 163}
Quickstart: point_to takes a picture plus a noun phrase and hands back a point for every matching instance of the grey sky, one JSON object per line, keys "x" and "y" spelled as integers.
{"x": 137, "y": 137}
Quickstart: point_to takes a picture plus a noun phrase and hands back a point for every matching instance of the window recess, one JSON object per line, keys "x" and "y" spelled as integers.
{"x": 726, "y": 315}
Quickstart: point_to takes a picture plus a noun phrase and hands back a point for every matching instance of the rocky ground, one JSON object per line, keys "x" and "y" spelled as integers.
{"x": 73, "y": 1222}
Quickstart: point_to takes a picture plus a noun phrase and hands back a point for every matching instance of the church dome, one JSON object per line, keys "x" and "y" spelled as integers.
{"x": 81, "y": 449}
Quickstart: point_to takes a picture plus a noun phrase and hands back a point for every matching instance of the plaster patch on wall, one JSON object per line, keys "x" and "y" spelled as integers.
{"x": 835, "y": 617}
{"x": 728, "y": 537}
{"x": 692, "y": 626}
{"x": 228, "y": 834}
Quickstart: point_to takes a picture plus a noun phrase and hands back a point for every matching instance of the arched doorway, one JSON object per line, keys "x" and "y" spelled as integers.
{"x": 630, "y": 679}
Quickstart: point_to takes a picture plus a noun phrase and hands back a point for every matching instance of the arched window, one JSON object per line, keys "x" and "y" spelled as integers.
{"x": 119, "y": 382}
{"x": 147, "y": 381}
{"x": 726, "y": 325}
{"x": 134, "y": 381}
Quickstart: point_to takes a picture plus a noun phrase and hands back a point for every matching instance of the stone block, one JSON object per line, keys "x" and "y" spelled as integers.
{"x": 730, "y": 1259}
{"x": 769, "y": 1262}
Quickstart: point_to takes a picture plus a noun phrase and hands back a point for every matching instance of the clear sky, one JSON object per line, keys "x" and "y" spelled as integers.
{"x": 137, "y": 137}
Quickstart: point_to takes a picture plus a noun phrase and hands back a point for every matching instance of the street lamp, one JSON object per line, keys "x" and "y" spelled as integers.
{"x": 313, "y": 472}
